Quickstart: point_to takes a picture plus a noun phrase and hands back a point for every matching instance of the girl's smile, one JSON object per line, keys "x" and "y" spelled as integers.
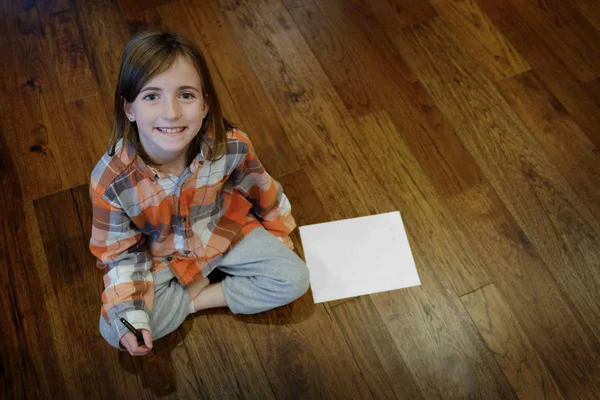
{"x": 171, "y": 131}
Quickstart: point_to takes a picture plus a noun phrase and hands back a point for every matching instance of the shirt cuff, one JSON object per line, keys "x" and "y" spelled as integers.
{"x": 139, "y": 319}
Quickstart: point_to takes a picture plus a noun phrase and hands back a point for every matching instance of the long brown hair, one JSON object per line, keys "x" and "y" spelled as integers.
{"x": 151, "y": 53}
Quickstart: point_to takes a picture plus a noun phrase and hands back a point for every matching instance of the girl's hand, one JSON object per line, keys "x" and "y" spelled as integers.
{"x": 129, "y": 341}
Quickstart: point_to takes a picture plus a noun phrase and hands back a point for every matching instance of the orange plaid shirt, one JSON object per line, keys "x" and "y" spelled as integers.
{"x": 145, "y": 220}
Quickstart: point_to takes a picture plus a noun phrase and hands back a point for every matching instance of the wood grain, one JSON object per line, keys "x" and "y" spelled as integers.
{"x": 36, "y": 138}
{"x": 590, "y": 9}
{"x": 481, "y": 38}
{"x": 301, "y": 361}
{"x": 290, "y": 4}
{"x": 559, "y": 225}
{"x": 551, "y": 70}
{"x": 419, "y": 120}
{"x": 568, "y": 148}
{"x": 75, "y": 77}
{"x": 568, "y": 35}
{"x": 337, "y": 63}
{"x": 398, "y": 14}
{"x": 536, "y": 301}
{"x": 515, "y": 354}
{"x": 382, "y": 365}
{"x": 592, "y": 88}
{"x": 104, "y": 36}
{"x": 224, "y": 358}
{"x": 91, "y": 127}
{"x": 28, "y": 363}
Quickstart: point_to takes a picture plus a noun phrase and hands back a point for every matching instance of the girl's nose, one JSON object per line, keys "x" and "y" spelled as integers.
{"x": 171, "y": 109}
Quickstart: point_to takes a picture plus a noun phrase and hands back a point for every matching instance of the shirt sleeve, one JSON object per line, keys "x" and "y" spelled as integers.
{"x": 121, "y": 251}
{"x": 269, "y": 202}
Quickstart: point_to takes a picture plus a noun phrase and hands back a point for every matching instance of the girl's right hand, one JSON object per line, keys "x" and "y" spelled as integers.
{"x": 129, "y": 341}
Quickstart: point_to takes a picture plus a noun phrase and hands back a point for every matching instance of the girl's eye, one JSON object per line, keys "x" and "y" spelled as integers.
{"x": 187, "y": 95}
{"x": 151, "y": 96}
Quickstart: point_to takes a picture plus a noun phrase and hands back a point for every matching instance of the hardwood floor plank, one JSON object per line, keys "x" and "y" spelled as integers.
{"x": 290, "y": 4}
{"x": 37, "y": 96}
{"x": 551, "y": 70}
{"x": 44, "y": 139}
{"x": 568, "y": 35}
{"x": 559, "y": 225}
{"x": 480, "y": 38}
{"x": 92, "y": 129}
{"x": 104, "y": 35}
{"x": 28, "y": 361}
{"x": 73, "y": 72}
{"x": 590, "y": 9}
{"x": 373, "y": 346}
{"x": 517, "y": 357}
{"x": 300, "y": 359}
{"x": 536, "y": 301}
{"x": 440, "y": 153}
{"x": 256, "y": 114}
{"x": 224, "y": 358}
{"x": 567, "y": 146}
{"x": 400, "y": 92}
{"x": 419, "y": 318}
{"x": 592, "y": 88}
{"x": 397, "y": 14}
{"x": 337, "y": 63}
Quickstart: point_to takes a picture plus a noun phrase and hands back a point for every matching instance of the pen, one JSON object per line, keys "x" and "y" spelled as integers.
{"x": 138, "y": 334}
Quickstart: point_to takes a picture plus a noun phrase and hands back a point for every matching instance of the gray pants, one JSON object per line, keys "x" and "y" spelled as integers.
{"x": 265, "y": 274}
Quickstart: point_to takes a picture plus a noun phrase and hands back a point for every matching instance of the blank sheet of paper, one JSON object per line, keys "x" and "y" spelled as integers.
{"x": 358, "y": 256}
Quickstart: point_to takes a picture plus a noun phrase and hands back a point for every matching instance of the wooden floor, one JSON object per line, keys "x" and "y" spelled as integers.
{"x": 478, "y": 119}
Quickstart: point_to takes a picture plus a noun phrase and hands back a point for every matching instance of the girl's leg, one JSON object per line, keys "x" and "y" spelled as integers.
{"x": 211, "y": 296}
{"x": 265, "y": 274}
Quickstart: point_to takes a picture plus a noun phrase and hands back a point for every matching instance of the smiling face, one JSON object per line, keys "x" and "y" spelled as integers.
{"x": 168, "y": 112}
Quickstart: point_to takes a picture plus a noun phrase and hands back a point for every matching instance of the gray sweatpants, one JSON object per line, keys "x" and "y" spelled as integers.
{"x": 265, "y": 274}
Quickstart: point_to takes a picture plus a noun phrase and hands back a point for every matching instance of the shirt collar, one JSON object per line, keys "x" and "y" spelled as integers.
{"x": 130, "y": 155}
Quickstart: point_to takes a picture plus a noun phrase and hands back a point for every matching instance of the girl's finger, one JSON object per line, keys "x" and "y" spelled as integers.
{"x": 147, "y": 338}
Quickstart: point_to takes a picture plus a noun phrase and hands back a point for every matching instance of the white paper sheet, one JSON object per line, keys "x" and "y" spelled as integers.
{"x": 358, "y": 256}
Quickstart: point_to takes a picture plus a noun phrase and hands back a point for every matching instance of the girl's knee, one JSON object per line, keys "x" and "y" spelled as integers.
{"x": 297, "y": 280}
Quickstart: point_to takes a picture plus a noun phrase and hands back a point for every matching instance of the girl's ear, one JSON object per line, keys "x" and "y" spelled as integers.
{"x": 128, "y": 112}
{"x": 206, "y": 107}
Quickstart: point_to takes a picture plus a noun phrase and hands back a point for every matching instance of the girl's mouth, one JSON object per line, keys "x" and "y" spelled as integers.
{"x": 174, "y": 130}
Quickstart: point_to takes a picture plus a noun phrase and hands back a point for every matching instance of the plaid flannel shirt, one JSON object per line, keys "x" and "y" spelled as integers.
{"x": 145, "y": 220}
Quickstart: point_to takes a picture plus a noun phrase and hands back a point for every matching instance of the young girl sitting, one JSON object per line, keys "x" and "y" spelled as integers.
{"x": 179, "y": 193}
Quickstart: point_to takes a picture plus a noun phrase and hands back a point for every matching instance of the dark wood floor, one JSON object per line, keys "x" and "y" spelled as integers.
{"x": 478, "y": 119}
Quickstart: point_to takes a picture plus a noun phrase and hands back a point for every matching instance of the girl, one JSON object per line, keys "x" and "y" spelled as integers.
{"x": 179, "y": 193}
